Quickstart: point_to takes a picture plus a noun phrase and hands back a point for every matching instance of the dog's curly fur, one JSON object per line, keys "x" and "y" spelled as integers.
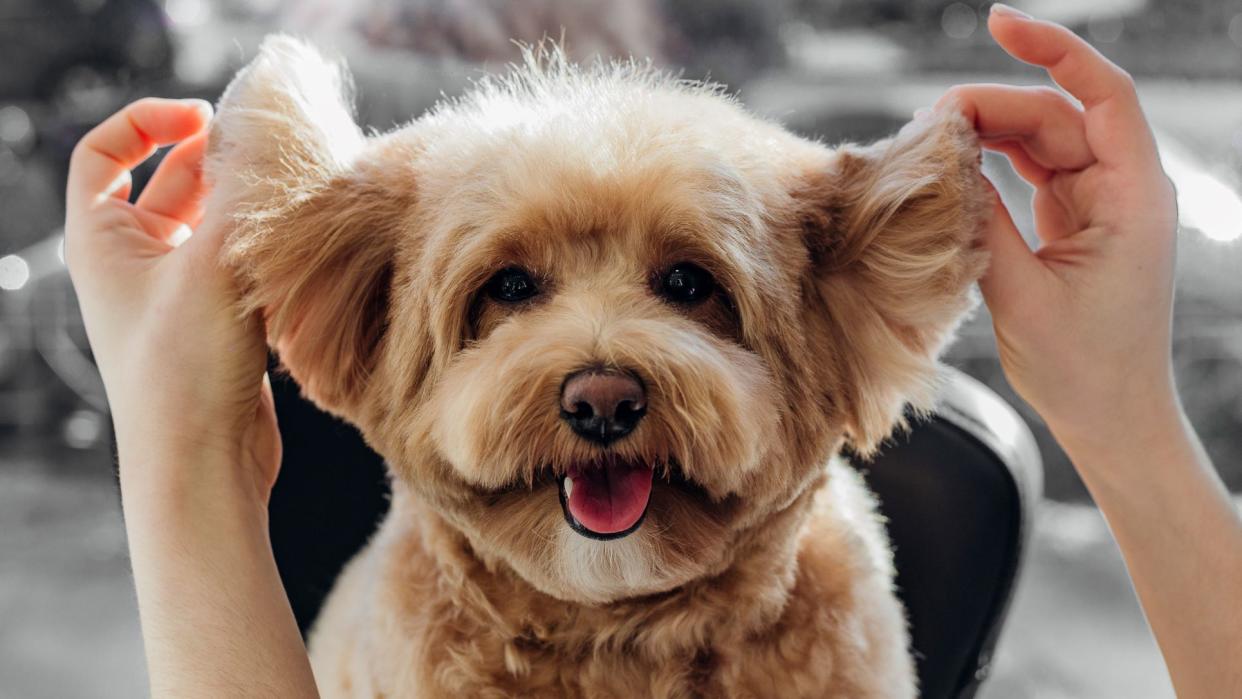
{"x": 761, "y": 568}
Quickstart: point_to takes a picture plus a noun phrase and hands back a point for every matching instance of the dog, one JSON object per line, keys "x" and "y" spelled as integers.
{"x": 610, "y": 332}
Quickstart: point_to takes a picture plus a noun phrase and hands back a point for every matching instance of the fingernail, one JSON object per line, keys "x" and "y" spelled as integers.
{"x": 179, "y": 235}
{"x": 203, "y": 107}
{"x": 999, "y": 8}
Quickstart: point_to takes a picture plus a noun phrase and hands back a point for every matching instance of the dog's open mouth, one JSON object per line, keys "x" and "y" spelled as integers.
{"x": 606, "y": 499}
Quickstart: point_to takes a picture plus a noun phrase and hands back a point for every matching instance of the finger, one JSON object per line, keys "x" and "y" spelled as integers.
{"x": 100, "y": 164}
{"x": 1048, "y": 125}
{"x": 166, "y": 229}
{"x": 1053, "y": 218}
{"x": 1013, "y": 267}
{"x": 176, "y": 189}
{"x": 1106, "y": 91}
{"x": 1072, "y": 62}
{"x": 1022, "y": 163}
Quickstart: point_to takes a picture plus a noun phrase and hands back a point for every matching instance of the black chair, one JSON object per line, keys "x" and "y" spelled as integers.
{"x": 957, "y": 491}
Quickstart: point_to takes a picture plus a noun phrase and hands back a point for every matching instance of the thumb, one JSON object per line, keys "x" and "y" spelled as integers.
{"x": 1013, "y": 267}
{"x": 205, "y": 250}
{"x": 211, "y": 234}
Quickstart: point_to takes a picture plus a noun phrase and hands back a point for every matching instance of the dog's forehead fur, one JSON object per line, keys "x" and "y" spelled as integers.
{"x": 558, "y": 158}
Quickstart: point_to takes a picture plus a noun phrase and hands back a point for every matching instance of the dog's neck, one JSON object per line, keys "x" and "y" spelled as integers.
{"x": 745, "y": 599}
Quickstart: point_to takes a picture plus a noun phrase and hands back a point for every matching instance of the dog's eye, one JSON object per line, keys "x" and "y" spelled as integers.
{"x": 686, "y": 282}
{"x": 511, "y": 285}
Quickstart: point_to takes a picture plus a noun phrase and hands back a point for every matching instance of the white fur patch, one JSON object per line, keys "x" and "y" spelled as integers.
{"x": 604, "y": 571}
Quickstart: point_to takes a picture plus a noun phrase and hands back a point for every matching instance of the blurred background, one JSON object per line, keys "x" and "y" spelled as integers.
{"x": 835, "y": 69}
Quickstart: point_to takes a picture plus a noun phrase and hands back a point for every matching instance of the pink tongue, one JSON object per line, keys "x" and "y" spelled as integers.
{"x": 609, "y": 498}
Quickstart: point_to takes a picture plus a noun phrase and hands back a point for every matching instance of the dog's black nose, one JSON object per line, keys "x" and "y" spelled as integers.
{"x": 602, "y": 406}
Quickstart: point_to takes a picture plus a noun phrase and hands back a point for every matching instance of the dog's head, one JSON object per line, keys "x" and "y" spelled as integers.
{"x": 605, "y": 322}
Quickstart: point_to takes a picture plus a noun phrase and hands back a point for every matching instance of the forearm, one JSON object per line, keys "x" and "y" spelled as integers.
{"x": 1181, "y": 537}
{"x": 161, "y": 315}
{"x": 215, "y": 619}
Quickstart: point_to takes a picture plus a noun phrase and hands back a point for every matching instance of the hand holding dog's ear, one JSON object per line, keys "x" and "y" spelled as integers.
{"x": 197, "y": 442}
{"x": 1082, "y": 323}
{"x": 160, "y": 310}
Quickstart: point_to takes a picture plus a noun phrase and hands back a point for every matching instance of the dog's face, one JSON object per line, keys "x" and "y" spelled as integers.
{"x": 606, "y": 324}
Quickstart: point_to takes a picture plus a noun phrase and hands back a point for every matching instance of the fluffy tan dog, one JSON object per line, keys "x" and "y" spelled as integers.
{"x": 609, "y": 331}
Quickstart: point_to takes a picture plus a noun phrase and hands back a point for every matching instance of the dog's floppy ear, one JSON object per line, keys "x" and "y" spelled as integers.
{"x": 893, "y": 231}
{"x": 313, "y": 207}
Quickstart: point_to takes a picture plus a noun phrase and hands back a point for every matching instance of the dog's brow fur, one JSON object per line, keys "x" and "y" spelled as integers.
{"x": 760, "y": 568}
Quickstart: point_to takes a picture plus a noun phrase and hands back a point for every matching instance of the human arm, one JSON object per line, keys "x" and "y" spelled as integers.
{"x": 1083, "y": 327}
{"x": 195, "y": 426}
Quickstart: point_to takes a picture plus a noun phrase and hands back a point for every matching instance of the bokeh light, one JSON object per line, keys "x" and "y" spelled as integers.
{"x": 959, "y": 21}
{"x": 83, "y": 429}
{"x": 16, "y": 131}
{"x": 1205, "y": 202}
{"x": 188, "y": 13}
{"x": 1105, "y": 28}
{"x": 1209, "y": 205}
{"x": 14, "y": 272}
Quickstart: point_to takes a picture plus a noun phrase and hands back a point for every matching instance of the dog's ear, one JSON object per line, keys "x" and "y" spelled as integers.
{"x": 314, "y": 208}
{"x": 894, "y": 236}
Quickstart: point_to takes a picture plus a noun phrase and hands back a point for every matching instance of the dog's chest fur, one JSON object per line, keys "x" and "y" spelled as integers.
{"x": 812, "y": 615}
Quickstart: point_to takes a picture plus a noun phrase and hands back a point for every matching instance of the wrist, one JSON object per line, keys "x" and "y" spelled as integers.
{"x": 1124, "y": 410}
{"x": 1120, "y": 430}
{"x": 177, "y": 481}
{"x": 1138, "y": 452}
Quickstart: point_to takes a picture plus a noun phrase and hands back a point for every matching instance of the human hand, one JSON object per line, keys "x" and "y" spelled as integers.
{"x": 1083, "y": 322}
{"x": 184, "y": 373}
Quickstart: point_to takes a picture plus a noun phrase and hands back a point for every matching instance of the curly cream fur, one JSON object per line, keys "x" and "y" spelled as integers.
{"x": 843, "y": 272}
